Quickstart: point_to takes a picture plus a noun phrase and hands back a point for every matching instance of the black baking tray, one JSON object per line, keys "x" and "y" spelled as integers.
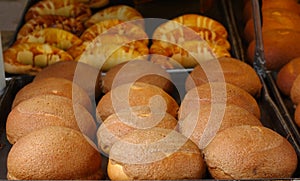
{"x": 224, "y": 11}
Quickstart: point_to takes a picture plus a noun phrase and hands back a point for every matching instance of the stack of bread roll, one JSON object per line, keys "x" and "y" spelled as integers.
{"x": 280, "y": 25}
{"x": 52, "y": 127}
{"x": 219, "y": 113}
{"x": 187, "y": 40}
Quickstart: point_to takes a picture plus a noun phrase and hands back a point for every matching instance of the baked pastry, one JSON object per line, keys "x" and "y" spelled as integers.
{"x": 53, "y": 36}
{"x": 30, "y": 58}
{"x": 85, "y": 76}
{"x": 295, "y": 91}
{"x": 287, "y": 75}
{"x": 140, "y": 71}
{"x": 187, "y": 54}
{"x": 250, "y": 152}
{"x": 155, "y": 154}
{"x": 201, "y": 125}
{"x": 48, "y": 110}
{"x": 117, "y": 125}
{"x": 128, "y": 96}
{"x": 68, "y": 8}
{"x": 191, "y": 20}
{"x": 56, "y": 86}
{"x": 109, "y": 50}
{"x": 297, "y": 116}
{"x": 94, "y": 3}
{"x": 51, "y": 21}
{"x": 228, "y": 70}
{"x": 121, "y": 12}
{"x": 280, "y": 46}
{"x": 217, "y": 92}
{"x": 54, "y": 153}
{"x": 115, "y": 26}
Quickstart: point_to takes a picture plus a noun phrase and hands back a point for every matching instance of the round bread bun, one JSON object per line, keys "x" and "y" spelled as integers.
{"x": 117, "y": 125}
{"x": 217, "y": 92}
{"x": 84, "y": 75}
{"x": 155, "y": 154}
{"x": 250, "y": 152}
{"x": 234, "y": 71}
{"x": 136, "y": 70}
{"x": 203, "y": 124}
{"x": 295, "y": 91}
{"x": 56, "y": 86}
{"x": 48, "y": 110}
{"x": 280, "y": 46}
{"x": 127, "y": 96}
{"x": 287, "y": 75}
{"x": 273, "y": 19}
{"x": 54, "y": 153}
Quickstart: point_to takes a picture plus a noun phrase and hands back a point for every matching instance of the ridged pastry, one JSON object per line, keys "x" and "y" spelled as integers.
{"x": 40, "y": 22}
{"x": 121, "y": 12}
{"x": 94, "y": 3}
{"x": 30, "y": 58}
{"x": 115, "y": 26}
{"x": 68, "y": 8}
{"x": 53, "y": 36}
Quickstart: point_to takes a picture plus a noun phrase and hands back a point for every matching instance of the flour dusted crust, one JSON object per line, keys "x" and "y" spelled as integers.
{"x": 53, "y": 36}
{"x": 121, "y": 12}
{"x": 115, "y": 26}
{"x": 68, "y": 8}
{"x": 30, "y": 58}
{"x": 40, "y": 22}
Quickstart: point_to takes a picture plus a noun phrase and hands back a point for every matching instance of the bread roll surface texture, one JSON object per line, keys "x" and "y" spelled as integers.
{"x": 54, "y": 153}
{"x": 250, "y": 152}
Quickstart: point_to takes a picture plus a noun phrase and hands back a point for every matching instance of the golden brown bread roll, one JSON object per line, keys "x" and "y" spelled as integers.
{"x": 54, "y": 153}
{"x": 56, "y": 86}
{"x": 48, "y": 110}
{"x": 295, "y": 91}
{"x": 287, "y": 75}
{"x": 128, "y": 96}
{"x": 141, "y": 71}
{"x": 273, "y": 19}
{"x": 226, "y": 69}
{"x": 86, "y": 76}
{"x": 117, "y": 125}
{"x": 217, "y": 92}
{"x": 280, "y": 46}
{"x": 297, "y": 116}
{"x": 155, "y": 154}
{"x": 250, "y": 152}
{"x": 203, "y": 124}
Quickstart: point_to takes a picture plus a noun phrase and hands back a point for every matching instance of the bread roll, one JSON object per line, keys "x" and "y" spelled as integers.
{"x": 250, "y": 152}
{"x": 48, "y": 110}
{"x": 55, "y": 86}
{"x": 54, "y": 153}
{"x": 117, "y": 125}
{"x": 280, "y": 46}
{"x": 226, "y": 69}
{"x": 86, "y": 76}
{"x": 141, "y": 71}
{"x": 295, "y": 91}
{"x": 273, "y": 19}
{"x": 203, "y": 124}
{"x": 297, "y": 116}
{"x": 217, "y": 92}
{"x": 155, "y": 154}
{"x": 287, "y": 75}
{"x": 128, "y": 96}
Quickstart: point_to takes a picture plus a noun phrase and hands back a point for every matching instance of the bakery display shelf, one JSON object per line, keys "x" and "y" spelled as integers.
{"x": 273, "y": 114}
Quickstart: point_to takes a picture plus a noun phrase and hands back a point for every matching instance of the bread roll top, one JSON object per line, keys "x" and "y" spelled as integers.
{"x": 243, "y": 152}
{"x": 157, "y": 153}
{"x": 53, "y": 153}
{"x": 48, "y": 110}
